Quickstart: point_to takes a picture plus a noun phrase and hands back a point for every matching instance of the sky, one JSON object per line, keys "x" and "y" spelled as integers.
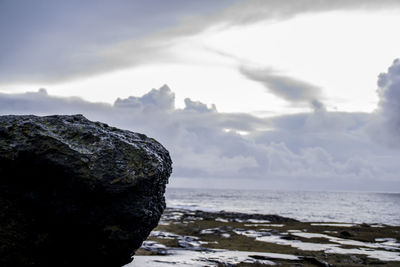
{"x": 255, "y": 94}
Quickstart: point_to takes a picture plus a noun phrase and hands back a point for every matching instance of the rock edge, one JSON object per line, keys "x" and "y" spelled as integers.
{"x": 75, "y": 192}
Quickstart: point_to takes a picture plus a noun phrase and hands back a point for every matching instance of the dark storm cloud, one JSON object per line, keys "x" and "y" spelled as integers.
{"x": 204, "y": 143}
{"x": 53, "y": 40}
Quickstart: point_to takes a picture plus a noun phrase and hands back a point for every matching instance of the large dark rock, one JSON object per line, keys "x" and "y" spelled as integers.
{"x": 75, "y": 192}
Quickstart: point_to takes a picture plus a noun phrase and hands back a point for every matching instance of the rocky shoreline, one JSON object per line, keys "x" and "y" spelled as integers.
{"x": 199, "y": 238}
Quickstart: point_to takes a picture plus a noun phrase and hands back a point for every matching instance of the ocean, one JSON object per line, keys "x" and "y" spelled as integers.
{"x": 348, "y": 207}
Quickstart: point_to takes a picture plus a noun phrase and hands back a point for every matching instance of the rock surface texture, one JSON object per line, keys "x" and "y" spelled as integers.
{"x": 75, "y": 192}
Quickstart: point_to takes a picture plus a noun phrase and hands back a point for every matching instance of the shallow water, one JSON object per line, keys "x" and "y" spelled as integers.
{"x": 348, "y": 207}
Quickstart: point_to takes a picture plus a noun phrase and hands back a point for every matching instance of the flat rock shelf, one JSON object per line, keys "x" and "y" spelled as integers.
{"x": 198, "y": 238}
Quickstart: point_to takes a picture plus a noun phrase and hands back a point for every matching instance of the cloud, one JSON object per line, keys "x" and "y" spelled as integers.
{"x": 389, "y": 94}
{"x": 51, "y": 41}
{"x": 386, "y": 127}
{"x": 163, "y": 99}
{"x": 288, "y": 88}
{"x": 245, "y": 12}
{"x": 48, "y": 40}
{"x": 198, "y": 106}
{"x": 327, "y": 150}
{"x": 317, "y": 105}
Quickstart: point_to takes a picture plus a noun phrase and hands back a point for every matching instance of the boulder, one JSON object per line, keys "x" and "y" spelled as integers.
{"x": 75, "y": 192}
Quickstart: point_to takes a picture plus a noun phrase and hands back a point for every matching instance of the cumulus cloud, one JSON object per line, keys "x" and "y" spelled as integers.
{"x": 327, "y": 150}
{"x": 288, "y": 88}
{"x": 198, "y": 106}
{"x": 389, "y": 95}
{"x": 162, "y": 98}
{"x": 386, "y": 127}
{"x": 47, "y": 40}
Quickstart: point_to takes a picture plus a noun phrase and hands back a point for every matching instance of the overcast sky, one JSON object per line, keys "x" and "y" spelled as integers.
{"x": 295, "y": 94}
